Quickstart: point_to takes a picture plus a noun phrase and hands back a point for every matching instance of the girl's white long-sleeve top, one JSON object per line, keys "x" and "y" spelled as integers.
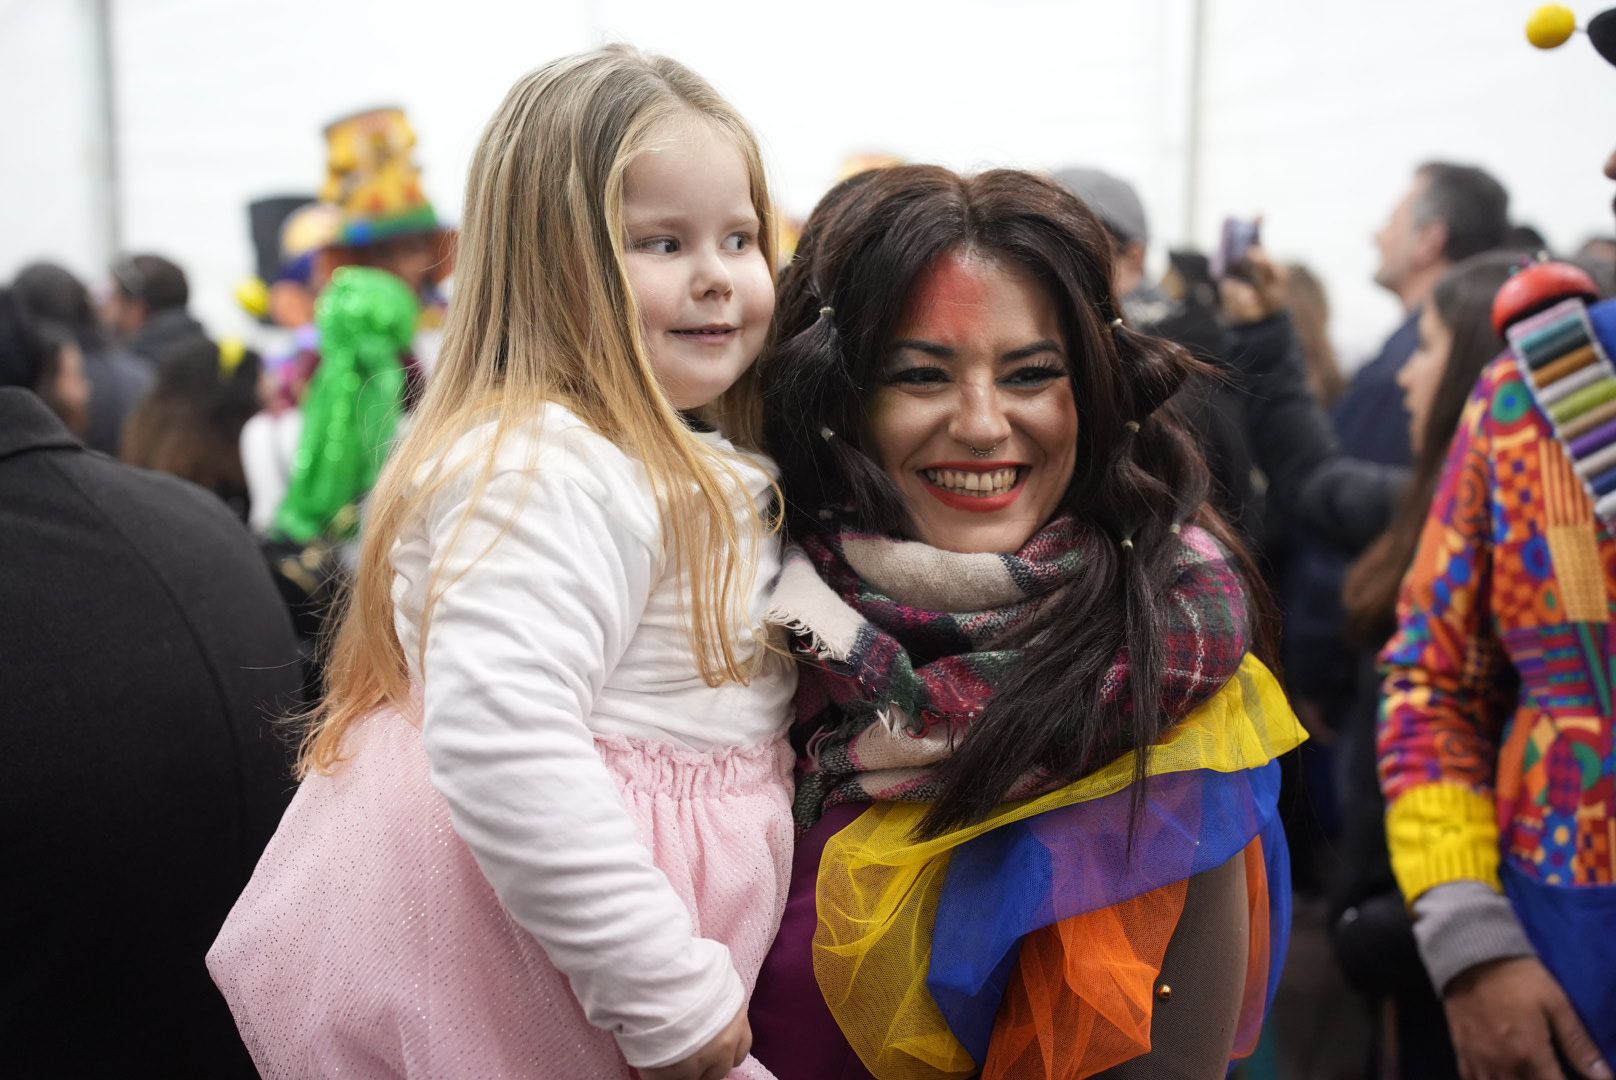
{"x": 559, "y": 617}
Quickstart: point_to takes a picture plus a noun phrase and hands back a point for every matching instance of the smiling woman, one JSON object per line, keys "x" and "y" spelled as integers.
{"x": 1036, "y": 778}
{"x": 979, "y": 363}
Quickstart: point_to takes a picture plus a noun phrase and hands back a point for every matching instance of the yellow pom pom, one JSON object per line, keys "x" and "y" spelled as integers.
{"x": 232, "y": 351}
{"x": 253, "y": 295}
{"x": 1551, "y": 26}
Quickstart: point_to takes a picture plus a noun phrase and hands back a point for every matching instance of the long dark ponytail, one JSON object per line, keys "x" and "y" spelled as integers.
{"x": 1138, "y": 478}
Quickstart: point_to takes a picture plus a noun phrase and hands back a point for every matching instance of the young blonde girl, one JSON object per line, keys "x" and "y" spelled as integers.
{"x": 544, "y": 826}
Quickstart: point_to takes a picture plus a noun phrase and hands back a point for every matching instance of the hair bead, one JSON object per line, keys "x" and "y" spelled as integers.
{"x": 1116, "y": 324}
{"x": 1127, "y": 543}
{"x": 827, "y": 434}
{"x": 826, "y": 312}
{"x": 1132, "y": 426}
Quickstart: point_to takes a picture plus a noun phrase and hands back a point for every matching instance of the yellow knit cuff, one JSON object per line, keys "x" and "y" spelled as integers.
{"x": 1439, "y": 833}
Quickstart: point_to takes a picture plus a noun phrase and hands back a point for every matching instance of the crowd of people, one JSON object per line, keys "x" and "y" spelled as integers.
{"x": 935, "y": 650}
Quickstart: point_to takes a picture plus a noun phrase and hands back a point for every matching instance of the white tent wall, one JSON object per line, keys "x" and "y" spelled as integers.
{"x": 1316, "y": 116}
{"x": 1311, "y": 114}
{"x": 53, "y": 158}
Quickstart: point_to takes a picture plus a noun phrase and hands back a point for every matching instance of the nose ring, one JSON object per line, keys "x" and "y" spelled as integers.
{"x": 984, "y": 453}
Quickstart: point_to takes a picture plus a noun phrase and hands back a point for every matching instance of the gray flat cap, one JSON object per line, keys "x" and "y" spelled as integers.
{"x": 1111, "y": 198}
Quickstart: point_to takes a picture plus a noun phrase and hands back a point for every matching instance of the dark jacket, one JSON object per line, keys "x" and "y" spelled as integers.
{"x": 118, "y": 380}
{"x": 164, "y": 332}
{"x": 1318, "y": 485}
{"x": 142, "y": 647}
{"x": 1211, "y": 407}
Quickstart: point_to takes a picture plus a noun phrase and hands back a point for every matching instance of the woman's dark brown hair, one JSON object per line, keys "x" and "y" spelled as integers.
{"x": 189, "y": 423}
{"x": 1310, "y": 317}
{"x": 1463, "y": 300}
{"x": 840, "y": 303}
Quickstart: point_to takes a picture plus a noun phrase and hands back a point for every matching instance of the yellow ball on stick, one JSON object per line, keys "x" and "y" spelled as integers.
{"x": 1551, "y": 26}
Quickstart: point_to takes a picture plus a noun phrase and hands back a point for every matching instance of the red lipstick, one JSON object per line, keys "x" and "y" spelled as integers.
{"x": 977, "y": 504}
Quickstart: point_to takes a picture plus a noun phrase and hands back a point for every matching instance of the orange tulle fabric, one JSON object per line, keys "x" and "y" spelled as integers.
{"x": 1255, "y": 1001}
{"x": 1083, "y": 994}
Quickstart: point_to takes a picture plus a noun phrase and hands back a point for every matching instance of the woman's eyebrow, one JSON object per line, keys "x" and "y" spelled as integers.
{"x": 930, "y": 348}
{"x": 1046, "y": 345}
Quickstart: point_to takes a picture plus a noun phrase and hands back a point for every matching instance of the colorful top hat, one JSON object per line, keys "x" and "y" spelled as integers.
{"x": 372, "y": 177}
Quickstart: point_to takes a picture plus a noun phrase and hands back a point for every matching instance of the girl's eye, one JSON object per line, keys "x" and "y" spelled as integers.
{"x": 918, "y": 376}
{"x": 738, "y": 242}
{"x": 1035, "y": 376}
{"x": 660, "y": 245}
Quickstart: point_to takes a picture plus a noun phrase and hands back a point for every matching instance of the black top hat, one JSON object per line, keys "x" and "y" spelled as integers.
{"x": 1602, "y": 32}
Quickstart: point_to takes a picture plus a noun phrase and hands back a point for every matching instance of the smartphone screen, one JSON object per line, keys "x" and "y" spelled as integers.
{"x": 1239, "y": 237}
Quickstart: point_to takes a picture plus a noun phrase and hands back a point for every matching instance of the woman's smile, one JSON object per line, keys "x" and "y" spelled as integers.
{"x": 976, "y": 486}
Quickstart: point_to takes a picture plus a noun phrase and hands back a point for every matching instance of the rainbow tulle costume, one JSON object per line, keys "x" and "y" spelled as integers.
{"x": 1038, "y": 932}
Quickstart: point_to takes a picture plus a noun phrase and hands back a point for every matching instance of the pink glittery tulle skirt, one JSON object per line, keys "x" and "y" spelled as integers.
{"x": 369, "y": 944}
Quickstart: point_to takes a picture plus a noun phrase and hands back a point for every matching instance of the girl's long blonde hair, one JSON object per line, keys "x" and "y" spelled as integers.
{"x": 543, "y": 312}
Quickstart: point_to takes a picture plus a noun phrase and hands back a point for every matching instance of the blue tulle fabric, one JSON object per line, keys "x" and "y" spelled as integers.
{"x": 1077, "y": 859}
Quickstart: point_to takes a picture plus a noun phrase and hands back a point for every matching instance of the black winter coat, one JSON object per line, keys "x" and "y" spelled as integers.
{"x": 142, "y": 649}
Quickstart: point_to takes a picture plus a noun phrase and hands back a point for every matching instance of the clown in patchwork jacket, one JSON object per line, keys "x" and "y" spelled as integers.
{"x": 1496, "y": 739}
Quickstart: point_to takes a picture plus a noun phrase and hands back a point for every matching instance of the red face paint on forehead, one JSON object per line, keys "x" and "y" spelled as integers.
{"x": 949, "y": 297}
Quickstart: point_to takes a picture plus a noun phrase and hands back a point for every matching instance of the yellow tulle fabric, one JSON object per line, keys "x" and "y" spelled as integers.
{"x": 878, "y": 887}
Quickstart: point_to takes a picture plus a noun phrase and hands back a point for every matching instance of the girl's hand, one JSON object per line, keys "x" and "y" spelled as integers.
{"x": 1506, "y": 1017}
{"x": 715, "y": 1060}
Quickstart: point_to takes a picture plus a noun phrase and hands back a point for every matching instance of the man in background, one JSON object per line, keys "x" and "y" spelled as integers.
{"x": 1449, "y": 213}
{"x": 146, "y": 306}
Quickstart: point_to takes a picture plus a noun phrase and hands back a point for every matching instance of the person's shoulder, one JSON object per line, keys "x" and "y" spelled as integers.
{"x": 1603, "y": 317}
{"x": 182, "y": 531}
{"x": 124, "y": 365}
{"x": 1501, "y": 394}
{"x": 1501, "y": 371}
{"x": 1197, "y": 545}
{"x": 556, "y": 440}
{"x": 559, "y": 452}
{"x": 159, "y": 500}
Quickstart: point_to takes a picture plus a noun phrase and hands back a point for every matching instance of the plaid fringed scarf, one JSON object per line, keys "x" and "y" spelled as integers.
{"x": 903, "y": 645}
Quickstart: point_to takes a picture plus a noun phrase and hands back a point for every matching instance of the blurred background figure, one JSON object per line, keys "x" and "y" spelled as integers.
{"x": 117, "y": 378}
{"x": 1524, "y": 238}
{"x": 189, "y": 424}
{"x": 373, "y": 213}
{"x": 1212, "y": 408}
{"x": 1118, "y": 206}
{"x": 146, "y": 306}
{"x": 1597, "y": 255}
{"x": 1310, "y": 318}
{"x": 45, "y": 360}
{"x": 141, "y": 773}
{"x": 1449, "y": 213}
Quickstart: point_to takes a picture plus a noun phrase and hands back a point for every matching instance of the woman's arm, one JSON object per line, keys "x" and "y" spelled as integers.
{"x": 545, "y": 587}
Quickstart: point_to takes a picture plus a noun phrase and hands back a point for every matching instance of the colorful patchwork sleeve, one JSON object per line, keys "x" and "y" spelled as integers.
{"x": 1446, "y": 674}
